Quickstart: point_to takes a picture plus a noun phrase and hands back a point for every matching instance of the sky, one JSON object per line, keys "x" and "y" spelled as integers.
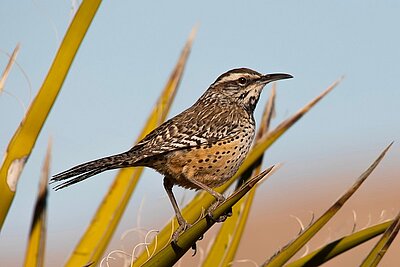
{"x": 127, "y": 57}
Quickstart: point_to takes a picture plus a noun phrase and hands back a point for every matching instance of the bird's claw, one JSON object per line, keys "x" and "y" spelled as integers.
{"x": 182, "y": 228}
{"x": 213, "y": 207}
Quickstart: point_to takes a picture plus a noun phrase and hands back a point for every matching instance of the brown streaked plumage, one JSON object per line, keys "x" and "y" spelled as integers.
{"x": 200, "y": 148}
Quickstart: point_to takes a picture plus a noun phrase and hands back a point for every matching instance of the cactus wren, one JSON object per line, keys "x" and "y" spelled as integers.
{"x": 200, "y": 148}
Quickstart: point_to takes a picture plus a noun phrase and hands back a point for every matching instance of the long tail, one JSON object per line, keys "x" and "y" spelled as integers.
{"x": 88, "y": 169}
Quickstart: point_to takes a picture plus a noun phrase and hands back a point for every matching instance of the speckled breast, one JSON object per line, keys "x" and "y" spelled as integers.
{"x": 211, "y": 165}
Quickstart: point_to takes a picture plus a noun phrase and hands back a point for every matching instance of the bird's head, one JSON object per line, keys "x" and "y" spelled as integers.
{"x": 243, "y": 86}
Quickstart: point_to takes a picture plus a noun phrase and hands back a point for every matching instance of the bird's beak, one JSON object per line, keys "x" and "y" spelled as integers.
{"x": 267, "y": 78}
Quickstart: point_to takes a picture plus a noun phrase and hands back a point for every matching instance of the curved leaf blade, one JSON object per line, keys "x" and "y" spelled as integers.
{"x": 7, "y": 70}
{"x": 98, "y": 234}
{"x": 37, "y": 238}
{"x": 288, "y": 251}
{"x": 340, "y": 245}
{"x": 379, "y": 250}
{"x": 171, "y": 253}
{"x": 24, "y": 138}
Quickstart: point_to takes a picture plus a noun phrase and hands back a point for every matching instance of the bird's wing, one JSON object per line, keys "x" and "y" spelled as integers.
{"x": 191, "y": 128}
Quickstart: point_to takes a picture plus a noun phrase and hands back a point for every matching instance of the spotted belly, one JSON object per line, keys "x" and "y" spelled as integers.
{"x": 211, "y": 165}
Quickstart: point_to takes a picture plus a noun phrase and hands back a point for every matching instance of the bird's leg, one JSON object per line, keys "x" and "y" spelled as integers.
{"x": 183, "y": 224}
{"x": 219, "y": 197}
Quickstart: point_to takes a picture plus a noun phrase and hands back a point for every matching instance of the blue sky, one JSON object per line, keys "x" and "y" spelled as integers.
{"x": 127, "y": 56}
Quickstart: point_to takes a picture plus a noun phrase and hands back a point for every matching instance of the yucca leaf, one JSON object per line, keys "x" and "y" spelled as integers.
{"x": 288, "y": 251}
{"x": 7, "y": 70}
{"x": 98, "y": 234}
{"x": 379, "y": 250}
{"x": 192, "y": 211}
{"x": 228, "y": 238}
{"x": 37, "y": 237}
{"x": 173, "y": 252}
{"x": 340, "y": 245}
{"x": 24, "y": 138}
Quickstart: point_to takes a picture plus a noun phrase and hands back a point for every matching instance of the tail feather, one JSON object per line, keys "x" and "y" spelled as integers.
{"x": 77, "y": 179}
{"x": 88, "y": 169}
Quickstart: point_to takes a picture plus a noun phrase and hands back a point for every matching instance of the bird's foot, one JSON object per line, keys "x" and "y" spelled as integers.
{"x": 214, "y": 206}
{"x": 183, "y": 226}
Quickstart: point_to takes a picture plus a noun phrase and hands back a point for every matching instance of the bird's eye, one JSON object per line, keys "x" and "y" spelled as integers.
{"x": 242, "y": 81}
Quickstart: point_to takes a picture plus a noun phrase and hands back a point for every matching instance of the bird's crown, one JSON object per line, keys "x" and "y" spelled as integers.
{"x": 237, "y": 77}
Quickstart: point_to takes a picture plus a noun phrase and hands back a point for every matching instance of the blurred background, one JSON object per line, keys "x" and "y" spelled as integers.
{"x": 124, "y": 62}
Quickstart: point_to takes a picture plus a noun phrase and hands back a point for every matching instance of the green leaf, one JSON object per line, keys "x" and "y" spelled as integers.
{"x": 7, "y": 70}
{"x": 379, "y": 250}
{"x": 24, "y": 138}
{"x": 37, "y": 236}
{"x": 339, "y": 246}
{"x": 288, "y": 251}
{"x": 98, "y": 234}
{"x": 171, "y": 253}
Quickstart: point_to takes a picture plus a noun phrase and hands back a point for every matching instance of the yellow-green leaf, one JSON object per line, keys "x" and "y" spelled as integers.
{"x": 171, "y": 253}
{"x": 24, "y": 138}
{"x": 7, "y": 70}
{"x": 379, "y": 250}
{"x": 98, "y": 234}
{"x": 37, "y": 238}
{"x": 288, "y": 251}
{"x": 340, "y": 245}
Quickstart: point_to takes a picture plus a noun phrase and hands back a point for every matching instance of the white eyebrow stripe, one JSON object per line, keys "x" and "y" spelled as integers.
{"x": 231, "y": 77}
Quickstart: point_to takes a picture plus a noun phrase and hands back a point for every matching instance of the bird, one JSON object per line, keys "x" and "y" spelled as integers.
{"x": 200, "y": 148}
